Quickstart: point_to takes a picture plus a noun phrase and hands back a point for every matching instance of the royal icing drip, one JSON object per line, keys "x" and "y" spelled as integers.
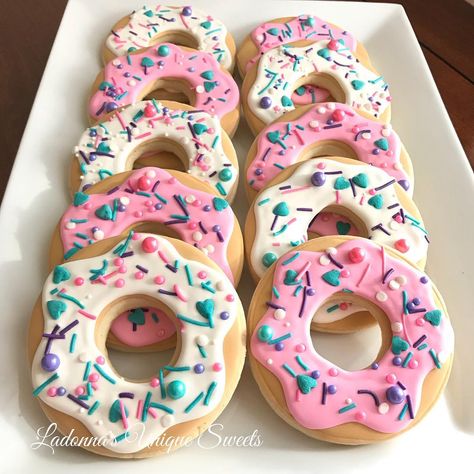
{"x": 70, "y": 373}
{"x": 146, "y": 24}
{"x": 126, "y": 77}
{"x": 151, "y": 195}
{"x": 281, "y": 68}
{"x": 282, "y": 143}
{"x": 304, "y": 27}
{"x": 104, "y": 149}
{"x": 319, "y": 395}
{"x": 284, "y": 211}
{"x": 142, "y": 326}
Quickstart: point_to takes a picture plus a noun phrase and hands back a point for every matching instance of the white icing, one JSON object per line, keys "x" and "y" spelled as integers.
{"x": 211, "y": 39}
{"x": 319, "y": 197}
{"x": 72, "y": 366}
{"x": 277, "y": 62}
{"x": 175, "y": 129}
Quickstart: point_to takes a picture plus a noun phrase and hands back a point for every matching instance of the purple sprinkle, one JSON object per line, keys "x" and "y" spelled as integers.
{"x": 275, "y": 306}
{"x": 387, "y": 274}
{"x": 335, "y": 262}
{"x": 170, "y": 267}
{"x": 69, "y": 326}
{"x": 155, "y": 186}
{"x": 419, "y": 341}
{"x": 389, "y": 183}
{"x": 126, "y": 395}
{"x": 113, "y": 190}
{"x": 78, "y": 401}
{"x": 202, "y": 227}
{"x": 142, "y": 269}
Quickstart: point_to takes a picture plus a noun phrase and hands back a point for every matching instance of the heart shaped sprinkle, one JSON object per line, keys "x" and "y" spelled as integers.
{"x": 433, "y": 317}
{"x": 56, "y": 308}
{"x": 361, "y": 180}
{"x": 104, "y": 212}
{"x": 306, "y": 383}
{"x": 399, "y": 345}
{"x": 281, "y": 209}
{"x": 332, "y": 277}
{"x": 343, "y": 228}
{"x": 137, "y": 316}
{"x": 115, "y": 413}
{"x": 219, "y": 204}
{"x": 376, "y": 201}
{"x": 80, "y": 198}
{"x": 60, "y": 274}
{"x": 341, "y": 183}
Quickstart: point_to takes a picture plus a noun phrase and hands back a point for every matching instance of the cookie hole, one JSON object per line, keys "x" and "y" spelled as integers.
{"x": 336, "y": 220}
{"x": 356, "y": 341}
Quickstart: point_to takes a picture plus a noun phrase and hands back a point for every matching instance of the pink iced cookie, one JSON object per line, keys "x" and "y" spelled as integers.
{"x": 142, "y": 327}
{"x": 128, "y": 79}
{"x": 154, "y": 195}
{"x": 326, "y": 129}
{"x": 386, "y": 397}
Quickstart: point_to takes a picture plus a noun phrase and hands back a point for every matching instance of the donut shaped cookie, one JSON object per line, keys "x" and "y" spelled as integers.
{"x": 281, "y": 213}
{"x": 267, "y": 87}
{"x": 321, "y": 130}
{"x": 196, "y": 138}
{"x": 187, "y": 26}
{"x": 302, "y": 30}
{"x": 128, "y": 79}
{"x": 313, "y": 394}
{"x": 77, "y": 385}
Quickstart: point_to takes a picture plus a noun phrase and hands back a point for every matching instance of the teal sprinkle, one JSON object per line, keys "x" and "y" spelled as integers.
{"x": 403, "y": 412}
{"x": 155, "y": 103}
{"x": 263, "y": 201}
{"x": 146, "y": 405}
{"x": 87, "y": 371}
{"x": 162, "y": 384}
{"x": 410, "y": 218}
{"x": 180, "y": 217}
{"x": 435, "y": 358}
{"x": 89, "y": 389}
{"x": 94, "y": 407}
{"x": 104, "y": 374}
{"x": 419, "y": 227}
{"x": 298, "y": 289}
{"x": 81, "y": 235}
{"x": 161, "y": 198}
{"x": 53, "y": 291}
{"x": 332, "y": 308}
{"x": 207, "y": 286}
{"x": 423, "y": 346}
{"x": 194, "y": 403}
{"x": 72, "y": 344}
{"x": 121, "y": 96}
{"x": 274, "y": 76}
{"x": 71, "y": 298}
{"x": 104, "y": 172}
{"x": 192, "y": 321}
{"x": 121, "y": 437}
{"x": 251, "y": 182}
{"x": 407, "y": 359}
{"x": 161, "y": 407}
{"x": 182, "y": 368}
{"x": 78, "y": 221}
{"x": 347, "y": 408}
{"x": 221, "y": 189}
{"x": 291, "y": 259}
{"x": 210, "y": 390}
{"x": 279, "y": 166}
{"x": 213, "y": 31}
{"x": 214, "y": 143}
{"x": 289, "y": 370}
{"x": 138, "y": 78}
{"x": 276, "y": 292}
{"x": 120, "y": 250}
{"x": 142, "y": 193}
{"x": 279, "y": 339}
{"x": 405, "y": 301}
{"x": 202, "y": 351}
{"x": 78, "y": 245}
{"x": 41, "y": 387}
{"x": 300, "y": 361}
{"x": 189, "y": 276}
{"x": 98, "y": 272}
{"x": 129, "y": 59}
{"x": 299, "y": 127}
{"x": 278, "y": 232}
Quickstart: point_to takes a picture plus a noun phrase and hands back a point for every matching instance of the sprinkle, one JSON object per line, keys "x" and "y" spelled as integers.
{"x": 347, "y": 408}
{"x": 188, "y": 275}
{"x": 419, "y": 341}
{"x": 435, "y": 358}
{"x": 126, "y": 395}
{"x": 324, "y": 395}
{"x": 221, "y": 189}
{"x": 402, "y": 413}
{"x": 207, "y": 286}
{"x": 64, "y": 295}
{"x": 41, "y": 387}
{"x": 291, "y": 259}
{"x": 123, "y": 414}
{"x": 72, "y": 344}
{"x": 94, "y": 407}
{"x": 146, "y": 405}
{"x": 423, "y": 346}
{"x": 161, "y": 198}
{"x": 121, "y": 437}
{"x": 263, "y": 201}
{"x": 276, "y": 292}
{"x": 410, "y": 407}
{"x": 372, "y": 394}
{"x": 192, "y": 321}
{"x": 332, "y": 308}
{"x": 78, "y": 401}
{"x": 279, "y": 339}
{"x": 387, "y": 274}
{"x": 194, "y": 402}
{"x": 363, "y": 275}
{"x": 86, "y": 314}
{"x": 289, "y": 370}
{"x": 300, "y": 361}
{"x": 87, "y": 370}
{"x": 407, "y": 359}
{"x": 405, "y": 301}
{"x": 389, "y": 183}
{"x": 210, "y": 390}
{"x": 104, "y": 374}
{"x": 202, "y": 351}
{"x": 162, "y": 384}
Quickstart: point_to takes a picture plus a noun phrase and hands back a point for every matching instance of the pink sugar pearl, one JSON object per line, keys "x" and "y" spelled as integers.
{"x": 159, "y": 279}
{"x": 230, "y": 298}
{"x": 100, "y": 360}
{"x": 361, "y": 416}
{"x": 79, "y": 390}
{"x": 154, "y": 382}
{"x": 321, "y": 166}
{"x": 300, "y": 348}
{"x": 345, "y": 273}
{"x": 122, "y": 269}
{"x": 197, "y": 203}
{"x": 136, "y": 235}
{"x": 139, "y": 275}
{"x": 172, "y": 180}
{"x": 150, "y": 245}
{"x": 413, "y": 364}
{"x": 79, "y": 281}
{"x": 391, "y": 378}
{"x": 120, "y": 283}
{"x": 94, "y": 377}
{"x": 333, "y": 372}
{"x": 202, "y": 274}
{"x": 192, "y": 225}
{"x": 217, "y": 367}
{"x": 52, "y": 391}
{"x": 118, "y": 262}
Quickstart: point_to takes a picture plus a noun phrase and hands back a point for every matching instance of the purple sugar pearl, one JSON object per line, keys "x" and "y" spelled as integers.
{"x": 187, "y": 11}
{"x": 424, "y": 280}
{"x": 198, "y": 368}
{"x": 395, "y": 394}
{"x": 332, "y": 389}
{"x": 310, "y": 291}
{"x": 375, "y": 366}
{"x": 279, "y": 346}
{"x": 265, "y": 102}
{"x": 258, "y": 171}
{"x": 110, "y": 106}
{"x": 397, "y": 361}
{"x": 224, "y": 315}
{"x": 158, "y": 206}
{"x": 318, "y": 178}
{"x": 50, "y": 362}
{"x": 61, "y": 391}
{"x": 315, "y": 374}
{"x": 206, "y": 208}
{"x": 216, "y": 228}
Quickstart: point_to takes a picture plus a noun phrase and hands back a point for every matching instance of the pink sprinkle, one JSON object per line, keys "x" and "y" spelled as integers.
{"x": 100, "y": 360}
{"x": 118, "y": 262}
{"x": 79, "y": 281}
{"x": 124, "y": 415}
{"x": 338, "y": 197}
{"x": 120, "y": 283}
{"x": 363, "y": 275}
{"x": 333, "y": 372}
{"x": 80, "y": 390}
{"x": 230, "y": 298}
{"x": 139, "y": 409}
{"x": 372, "y": 192}
{"x": 292, "y": 220}
{"x": 179, "y": 293}
{"x": 86, "y": 314}
{"x": 120, "y": 119}
{"x": 94, "y": 377}
{"x": 303, "y": 270}
{"x": 159, "y": 279}
{"x": 202, "y": 275}
{"x": 217, "y": 367}
{"x": 143, "y": 135}
{"x": 297, "y": 395}
{"x": 162, "y": 256}
{"x": 294, "y": 190}
{"x": 52, "y": 391}
{"x": 139, "y": 275}
{"x": 154, "y": 382}
{"x": 152, "y": 412}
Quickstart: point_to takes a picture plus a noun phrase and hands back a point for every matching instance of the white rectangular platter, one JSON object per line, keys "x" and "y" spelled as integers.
{"x": 37, "y": 196}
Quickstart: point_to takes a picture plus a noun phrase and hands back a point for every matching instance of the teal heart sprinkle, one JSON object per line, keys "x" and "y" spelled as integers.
{"x": 219, "y": 204}
{"x": 209, "y": 75}
{"x": 103, "y": 147}
{"x": 209, "y": 86}
{"x": 306, "y": 383}
{"x": 205, "y": 308}
{"x": 399, "y": 345}
{"x": 80, "y": 198}
{"x": 343, "y": 228}
{"x": 137, "y": 316}
{"x": 341, "y": 183}
{"x": 273, "y": 137}
{"x": 105, "y": 85}
{"x": 324, "y": 53}
{"x": 56, "y": 308}
{"x": 361, "y": 180}
{"x": 206, "y": 24}
{"x": 332, "y": 277}
{"x": 148, "y": 13}
{"x": 433, "y": 317}
{"x": 104, "y": 212}
{"x": 381, "y": 143}
{"x": 115, "y": 414}
{"x": 281, "y": 209}
{"x": 376, "y": 201}
{"x": 357, "y": 85}
{"x": 60, "y": 274}
{"x": 273, "y": 31}
{"x": 290, "y": 278}
{"x": 199, "y": 128}
{"x": 147, "y": 62}
{"x": 286, "y": 101}
{"x": 300, "y": 90}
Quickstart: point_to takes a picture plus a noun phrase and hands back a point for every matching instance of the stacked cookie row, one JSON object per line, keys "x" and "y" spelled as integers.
{"x": 327, "y": 165}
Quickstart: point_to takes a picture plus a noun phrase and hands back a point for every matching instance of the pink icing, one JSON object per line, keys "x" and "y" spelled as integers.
{"x": 152, "y": 199}
{"x": 157, "y": 327}
{"x": 407, "y": 305}
{"x": 125, "y": 77}
{"x": 302, "y": 27}
{"x": 280, "y": 144}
